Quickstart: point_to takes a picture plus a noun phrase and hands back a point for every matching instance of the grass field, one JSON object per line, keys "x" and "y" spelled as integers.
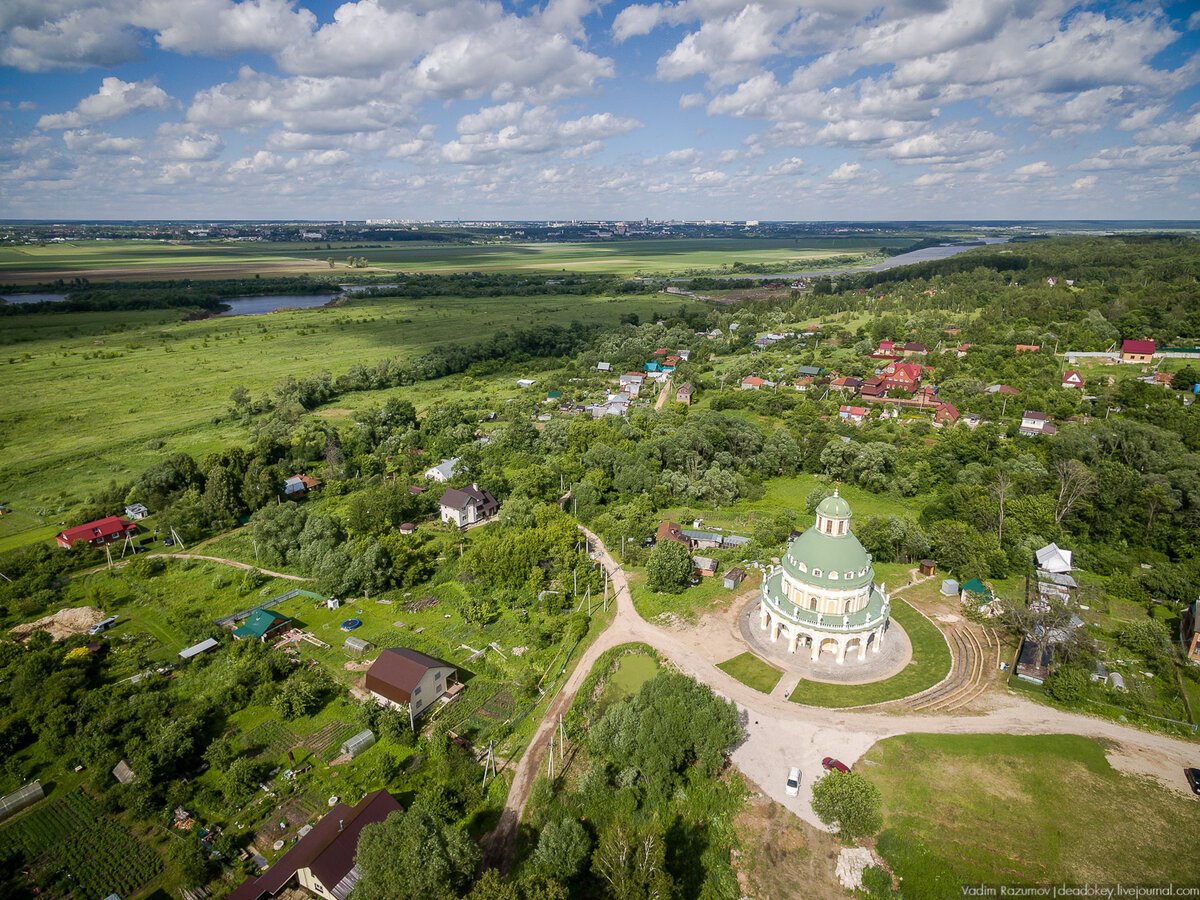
{"x": 990, "y": 809}
{"x": 142, "y": 260}
{"x": 96, "y": 396}
{"x": 930, "y": 653}
{"x": 752, "y": 672}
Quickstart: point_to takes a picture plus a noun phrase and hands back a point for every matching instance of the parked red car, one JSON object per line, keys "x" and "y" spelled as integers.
{"x": 833, "y": 765}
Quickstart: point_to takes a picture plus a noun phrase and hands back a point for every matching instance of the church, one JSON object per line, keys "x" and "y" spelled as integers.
{"x": 823, "y": 595}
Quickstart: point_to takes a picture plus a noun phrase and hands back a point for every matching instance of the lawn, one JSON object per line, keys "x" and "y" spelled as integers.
{"x": 931, "y": 655}
{"x": 752, "y": 672}
{"x": 990, "y": 809}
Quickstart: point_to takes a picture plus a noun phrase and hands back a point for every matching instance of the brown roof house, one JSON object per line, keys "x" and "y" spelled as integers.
{"x": 683, "y": 393}
{"x": 405, "y": 679}
{"x": 467, "y": 506}
{"x": 945, "y": 414}
{"x": 322, "y": 862}
{"x": 670, "y": 531}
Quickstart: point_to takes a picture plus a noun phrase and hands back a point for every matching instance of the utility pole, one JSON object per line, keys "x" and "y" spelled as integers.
{"x": 255, "y": 543}
{"x": 550, "y": 758}
{"x": 562, "y": 736}
{"x": 489, "y": 762}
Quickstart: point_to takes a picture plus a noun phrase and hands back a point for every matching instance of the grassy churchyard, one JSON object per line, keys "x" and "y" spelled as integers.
{"x": 990, "y": 808}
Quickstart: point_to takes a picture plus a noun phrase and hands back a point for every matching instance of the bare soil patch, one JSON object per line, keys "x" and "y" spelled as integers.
{"x": 63, "y": 624}
{"x": 783, "y": 856}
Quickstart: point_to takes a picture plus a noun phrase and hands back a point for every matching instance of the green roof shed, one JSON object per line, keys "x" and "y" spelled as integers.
{"x": 261, "y": 624}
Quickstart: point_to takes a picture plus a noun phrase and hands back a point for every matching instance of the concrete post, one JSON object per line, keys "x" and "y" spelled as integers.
{"x": 774, "y": 630}
{"x": 792, "y": 641}
{"x": 765, "y": 616}
{"x": 841, "y": 657}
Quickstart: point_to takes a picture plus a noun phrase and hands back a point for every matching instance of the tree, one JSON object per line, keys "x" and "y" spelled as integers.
{"x": 190, "y": 861}
{"x": 241, "y": 778}
{"x": 562, "y": 849}
{"x": 410, "y": 856}
{"x": 1075, "y": 482}
{"x": 1068, "y": 683}
{"x": 669, "y": 568}
{"x": 849, "y": 802}
{"x": 631, "y": 861}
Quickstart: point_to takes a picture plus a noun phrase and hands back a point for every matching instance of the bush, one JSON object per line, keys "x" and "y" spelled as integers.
{"x": 1068, "y": 683}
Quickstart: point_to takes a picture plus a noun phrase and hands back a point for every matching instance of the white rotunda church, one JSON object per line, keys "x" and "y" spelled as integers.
{"x": 823, "y": 595}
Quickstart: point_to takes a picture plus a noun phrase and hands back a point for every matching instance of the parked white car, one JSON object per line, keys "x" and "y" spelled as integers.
{"x": 792, "y": 787}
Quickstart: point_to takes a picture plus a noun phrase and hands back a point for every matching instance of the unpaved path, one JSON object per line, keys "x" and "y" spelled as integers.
{"x": 662, "y": 395}
{"x": 780, "y": 734}
{"x": 216, "y": 559}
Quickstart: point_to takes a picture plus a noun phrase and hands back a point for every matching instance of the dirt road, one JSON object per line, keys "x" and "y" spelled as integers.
{"x": 780, "y": 734}
{"x": 662, "y": 395}
{"x": 216, "y": 559}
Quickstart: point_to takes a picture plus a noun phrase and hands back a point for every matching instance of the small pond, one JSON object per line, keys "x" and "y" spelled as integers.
{"x": 257, "y": 306}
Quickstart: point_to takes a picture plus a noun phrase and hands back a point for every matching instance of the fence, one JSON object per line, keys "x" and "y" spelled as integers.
{"x": 1134, "y": 712}
{"x": 246, "y": 613}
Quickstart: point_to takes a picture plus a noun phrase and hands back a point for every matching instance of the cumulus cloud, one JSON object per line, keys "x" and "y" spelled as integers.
{"x": 847, "y": 172}
{"x": 1041, "y": 168}
{"x": 514, "y": 129}
{"x": 116, "y": 98}
{"x": 100, "y": 142}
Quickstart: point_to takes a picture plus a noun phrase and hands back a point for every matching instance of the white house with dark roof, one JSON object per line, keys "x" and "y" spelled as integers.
{"x": 1035, "y": 423}
{"x": 407, "y": 680}
{"x": 467, "y": 506}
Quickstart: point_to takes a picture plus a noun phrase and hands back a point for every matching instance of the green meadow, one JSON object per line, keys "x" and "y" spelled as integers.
{"x": 144, "y": 259}
{"x": 97, "y": 396}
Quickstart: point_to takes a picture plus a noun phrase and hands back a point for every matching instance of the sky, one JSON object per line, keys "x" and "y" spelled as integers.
{"x": 582, "y": 109}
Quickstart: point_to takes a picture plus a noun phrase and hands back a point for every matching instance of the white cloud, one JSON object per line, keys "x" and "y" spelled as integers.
{"x": 788, "y": 166}
{"x": 100, "y": 142}
{"x": 1041, "y": 168}
{"x": 514, "y": 129}
{"x": 116, "y": 98}
{"x": 1086, "y": 183}
{"x": 847, "y": 172}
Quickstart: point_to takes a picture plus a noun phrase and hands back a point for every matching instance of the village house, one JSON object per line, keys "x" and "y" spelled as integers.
{"x": 912, "y": 348}
{"x": 631, "y": 383}
{"x": 901, "y": 377}
{"x": 1072, "y": 379}
{"x": 1035, "y": 423}
{"x": 928, "y": 396}
{"x": 603, "y": 367}
{"x": 872, "y": 387}
{"x": 961, "y": 350}
{"x": 322, "y": 860}
{"x": 752, "y": 383}
{"x": 443, "y": 471}
{"x": 136, "y": 512}
{"x": 615, "y": 405}
{"x": 845, "y": 383}
{"x": 945, "y": 414}
{"x": 1001, "y": 389}
{"x": 683, "y": 393}
{"x": 1137, "y": 351}
{"x": 886, "y": 347}
{"x": 104, "y": 531}
{"x": 852, "y": 414}
{"x": 409, "y": 681}
{"x": 299, "y": 485}
{"x": 467, "y": 506}
{"x": 1027, "y": 348}
{"x": 670, "y": 531}
{"x": 704, "y": 566}
{"x": 262, "y": 625}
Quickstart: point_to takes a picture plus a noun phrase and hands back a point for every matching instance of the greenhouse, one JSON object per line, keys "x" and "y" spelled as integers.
{"x": 360, "y": 742}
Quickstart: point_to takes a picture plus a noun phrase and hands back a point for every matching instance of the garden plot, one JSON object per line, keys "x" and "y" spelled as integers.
{"x": 274, "y": 739}
{"x": 74, "y": 851}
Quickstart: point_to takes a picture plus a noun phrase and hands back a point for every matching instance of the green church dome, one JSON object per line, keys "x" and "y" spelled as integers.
{"x": 834, "y": 507}
{"x": 843, "y": 562}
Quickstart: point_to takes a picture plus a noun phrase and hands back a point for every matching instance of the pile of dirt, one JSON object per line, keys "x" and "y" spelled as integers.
{"x": 62, "y": 624}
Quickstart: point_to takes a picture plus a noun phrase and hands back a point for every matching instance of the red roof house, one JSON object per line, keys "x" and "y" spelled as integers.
{"x": 1072, "y": 379}
{"x": 886, "y": 346}
{"x": 901, "y": 377}
{"x": 752, "y": 383}
{"x": 108, "y": 530}
{"x": 854, "y": 414}
{"x": 872, "y": 387}
{"x": 670, "y": 531}
{"x": 1028, "y": 348}
{"x": 323, "y": 860}
{"x": 1137, "y": 351}
{"x": 945, "y": 414}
